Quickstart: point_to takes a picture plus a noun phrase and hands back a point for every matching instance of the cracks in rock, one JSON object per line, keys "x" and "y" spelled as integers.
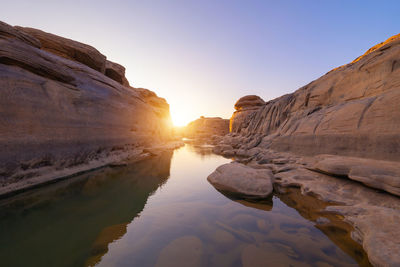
{"x": 307, "y": 99}
{"x": 314, "y": 110}
{"x": 318, "y": 123}
{"x": 395, "y": 65}
{"x": 367, "y": 106}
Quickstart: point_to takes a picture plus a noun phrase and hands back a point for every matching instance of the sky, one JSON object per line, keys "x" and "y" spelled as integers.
{"x": 202, "y": 56}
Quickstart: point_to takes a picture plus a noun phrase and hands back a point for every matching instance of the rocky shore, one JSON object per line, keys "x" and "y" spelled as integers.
{"x": 337, "y": 138}
{"x": 65, "y": 109}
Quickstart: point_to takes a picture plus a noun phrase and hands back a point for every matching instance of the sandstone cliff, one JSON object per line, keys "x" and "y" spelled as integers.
{"x": 352, "y": 110}
{"x": 63, "y": 105}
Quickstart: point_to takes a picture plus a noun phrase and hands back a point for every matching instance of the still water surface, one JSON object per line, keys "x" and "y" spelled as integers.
{"x": 163, "y": 212}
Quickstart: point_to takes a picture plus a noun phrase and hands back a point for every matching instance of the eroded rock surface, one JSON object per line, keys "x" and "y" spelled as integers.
{"x": 60, "y": 114}
{"x": 373, "y": 213}
{"x": 352, "y": 110}
{"x": 68, "y": 48}
{"x": 337, "y": 138}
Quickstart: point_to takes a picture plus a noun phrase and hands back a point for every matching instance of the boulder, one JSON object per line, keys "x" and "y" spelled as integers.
{"x": 249, "y": 101}
{"x": 238, "y": 179}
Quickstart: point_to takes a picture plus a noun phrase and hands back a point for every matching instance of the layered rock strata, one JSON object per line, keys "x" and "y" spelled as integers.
{"x": 64, "y": 109}
{"x": 337, "y": 138}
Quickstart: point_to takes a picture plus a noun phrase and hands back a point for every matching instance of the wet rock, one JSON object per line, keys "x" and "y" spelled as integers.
{"x": 184, "y": 251}
{"x": 239, "y": 179}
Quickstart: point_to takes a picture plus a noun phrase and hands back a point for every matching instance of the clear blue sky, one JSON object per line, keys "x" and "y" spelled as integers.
{"x": 203, "y": 55}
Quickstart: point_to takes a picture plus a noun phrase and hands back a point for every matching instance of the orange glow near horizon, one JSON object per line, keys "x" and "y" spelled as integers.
{"x": 180, "y": 119}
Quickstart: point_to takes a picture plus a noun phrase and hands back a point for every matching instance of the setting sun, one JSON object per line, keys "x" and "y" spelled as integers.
{"x": 199, "y": 133}
{"x": 180, "y": 118}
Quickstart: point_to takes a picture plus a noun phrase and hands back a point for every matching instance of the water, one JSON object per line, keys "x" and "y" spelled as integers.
{"x": 163, "y": 212}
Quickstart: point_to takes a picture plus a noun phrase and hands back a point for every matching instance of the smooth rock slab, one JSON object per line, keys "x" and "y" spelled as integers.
{"x": 379, "y": 174}
{"x": 241, "y": 180}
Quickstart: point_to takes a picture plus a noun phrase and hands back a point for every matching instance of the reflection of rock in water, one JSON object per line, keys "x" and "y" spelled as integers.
{"x": 262, "y": 204}
{"x": 100, "y": 245}
{"x": 202, "y": 150}
{"x": 332, "y": 225}
{"x": 87, "y": 213}
{"x": 294, "y": 233}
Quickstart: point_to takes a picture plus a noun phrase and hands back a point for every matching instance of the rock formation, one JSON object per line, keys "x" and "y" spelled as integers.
{"x": 241, "y": 180}
{"x": 337, "y": 138}
{"x": 63, "y": 106}
{"x": 352, "y": 110}
{"x": 206, "y": 129}
{"x": 244, "y": 107}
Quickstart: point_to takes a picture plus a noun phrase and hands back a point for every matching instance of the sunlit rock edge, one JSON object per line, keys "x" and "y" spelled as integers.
{"x": 66, "y": 109}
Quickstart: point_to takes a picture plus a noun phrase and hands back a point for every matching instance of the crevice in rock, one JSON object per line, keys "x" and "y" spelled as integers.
{"x": 367, "y": 106}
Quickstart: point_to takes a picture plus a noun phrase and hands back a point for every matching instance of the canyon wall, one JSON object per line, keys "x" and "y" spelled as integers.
{"x": 63, "y": 104}
{"x": 352, "y": 110}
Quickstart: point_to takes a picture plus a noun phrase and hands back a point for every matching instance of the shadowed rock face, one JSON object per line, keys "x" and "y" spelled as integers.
{"x": 116, "y": 72}
{"x": 352, "y": 110}
{"x": 58, "y": 109}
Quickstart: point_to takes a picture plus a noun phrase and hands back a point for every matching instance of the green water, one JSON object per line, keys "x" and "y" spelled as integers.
{"x": 163, "y": 212}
